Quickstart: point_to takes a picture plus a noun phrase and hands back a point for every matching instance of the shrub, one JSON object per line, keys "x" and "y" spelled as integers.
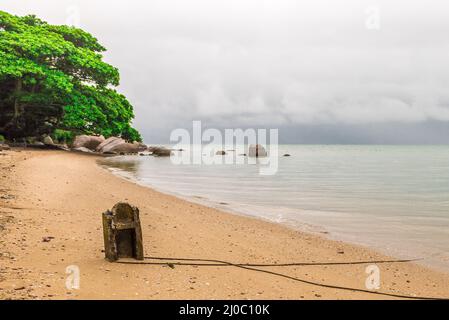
{"x": 63, "y": 136}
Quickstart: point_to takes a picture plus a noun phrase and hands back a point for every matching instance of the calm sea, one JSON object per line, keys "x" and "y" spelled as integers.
{"x": 392, "y": 198}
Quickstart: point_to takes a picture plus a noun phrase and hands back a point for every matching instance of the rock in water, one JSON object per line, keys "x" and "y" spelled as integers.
{"x": 257, "y": 151}
{"x": 161, "y": 152}
{"x": 48, "y": 141}
{"x": 220, "y": 153}
{"x": 4, "y": 147}
{"x": 89, "y": 142}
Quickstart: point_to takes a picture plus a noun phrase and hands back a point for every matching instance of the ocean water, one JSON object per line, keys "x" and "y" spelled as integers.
{"x": 391, "y": 198}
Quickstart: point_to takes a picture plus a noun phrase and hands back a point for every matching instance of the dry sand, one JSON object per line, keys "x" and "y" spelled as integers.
{"x": 61, "y": 195}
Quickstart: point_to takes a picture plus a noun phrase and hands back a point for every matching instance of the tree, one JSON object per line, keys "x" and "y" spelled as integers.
{"x": 54, "y": 77}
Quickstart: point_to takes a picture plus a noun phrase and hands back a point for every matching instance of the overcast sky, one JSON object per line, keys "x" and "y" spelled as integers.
{"x": 337, "y": 71}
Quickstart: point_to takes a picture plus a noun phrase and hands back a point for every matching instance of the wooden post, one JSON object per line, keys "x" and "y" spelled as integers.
{"x": 122, "y": 233}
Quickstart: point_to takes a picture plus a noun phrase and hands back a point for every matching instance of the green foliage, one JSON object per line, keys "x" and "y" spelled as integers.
{"x": 54, "y": 77}
{"x": 131, "y": 134}
{"x": 2, "y": 138}
{"x": 63, "y": 136}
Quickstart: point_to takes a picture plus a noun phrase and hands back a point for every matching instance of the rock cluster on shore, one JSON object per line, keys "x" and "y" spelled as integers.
{"x": 88, "y": 142}
{"x": 116, "y": 146}
{"x": 46, "y": 142}
{"x": 112, "y": 145}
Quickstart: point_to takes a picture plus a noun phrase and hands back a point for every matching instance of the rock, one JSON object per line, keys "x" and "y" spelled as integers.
{"x": 37, "y": 144}
{"x": 89, "y": 142}
{"x": 257, "y": 151}
{"x": 48, "y": 141}
{"x": 109, "y": 144}
{"x": 4, "y": 147}
{"x": 141, "y": 146}
{"x": 62, "y": 147}
{"x": 83, "y": 149}
{"x": 161, "y": 152}
{"x": 124, "y": 148}
{"x": 220, "y": 153}
{"x": 287, "y": 155}
{"x": 41, "y": 145}
{"x": 47, "y": 239}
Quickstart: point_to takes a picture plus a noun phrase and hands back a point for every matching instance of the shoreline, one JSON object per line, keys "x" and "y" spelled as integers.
{"x": 62, "y": 195}
{"x": 250, "y": 211}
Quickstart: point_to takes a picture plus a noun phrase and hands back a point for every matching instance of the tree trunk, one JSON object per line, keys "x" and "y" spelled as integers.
{"x": 16, "y": 99}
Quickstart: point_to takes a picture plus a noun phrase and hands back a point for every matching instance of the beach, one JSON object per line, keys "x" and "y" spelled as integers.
{"x": 50, "y": 216}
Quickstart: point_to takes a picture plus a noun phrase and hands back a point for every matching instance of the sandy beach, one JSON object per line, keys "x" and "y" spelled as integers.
{"x": 50, "y": 218}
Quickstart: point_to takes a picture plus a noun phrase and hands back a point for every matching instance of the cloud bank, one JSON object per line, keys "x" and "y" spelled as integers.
{"x": 286, "y": 63}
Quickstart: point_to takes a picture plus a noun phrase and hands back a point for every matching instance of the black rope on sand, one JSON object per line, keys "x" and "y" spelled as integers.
{"x": 249, "y": 266}
{"x": 224, "y": 263}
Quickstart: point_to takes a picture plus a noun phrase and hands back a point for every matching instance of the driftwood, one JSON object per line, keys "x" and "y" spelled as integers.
{"x": 122, "y": 233}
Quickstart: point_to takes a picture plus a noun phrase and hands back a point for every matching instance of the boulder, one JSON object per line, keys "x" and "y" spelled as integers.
{"x": 89, "y": 142}
{"x": 62, "y": 147}
{"x": 107, "y": 145}
{"x": 114, "y": 145}
{"x": 124, "y": 148}
{"x": 141, "y": 146}
{"x": 161, "y": 152}
{"x": 287, "y": 155}
{"x": 48, "y": 141}
{"x": 257, "y": 151}
{"x": 83, "y": 149}
{"x": 4, "y": 147}
{"x": 220, "y": 153}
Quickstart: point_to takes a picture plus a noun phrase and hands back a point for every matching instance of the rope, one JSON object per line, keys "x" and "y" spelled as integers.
{"x": 248, "y": 266}
{"x": 223, "y": 263}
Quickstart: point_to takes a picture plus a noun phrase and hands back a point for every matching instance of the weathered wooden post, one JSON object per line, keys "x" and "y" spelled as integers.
{"x": 122, "y": 233}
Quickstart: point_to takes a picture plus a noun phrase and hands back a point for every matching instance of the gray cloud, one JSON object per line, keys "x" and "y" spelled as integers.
{"x": 311, "y": 64}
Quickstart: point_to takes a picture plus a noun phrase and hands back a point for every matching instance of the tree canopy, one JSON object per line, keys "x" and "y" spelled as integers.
{"x": 54, "y": 77}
